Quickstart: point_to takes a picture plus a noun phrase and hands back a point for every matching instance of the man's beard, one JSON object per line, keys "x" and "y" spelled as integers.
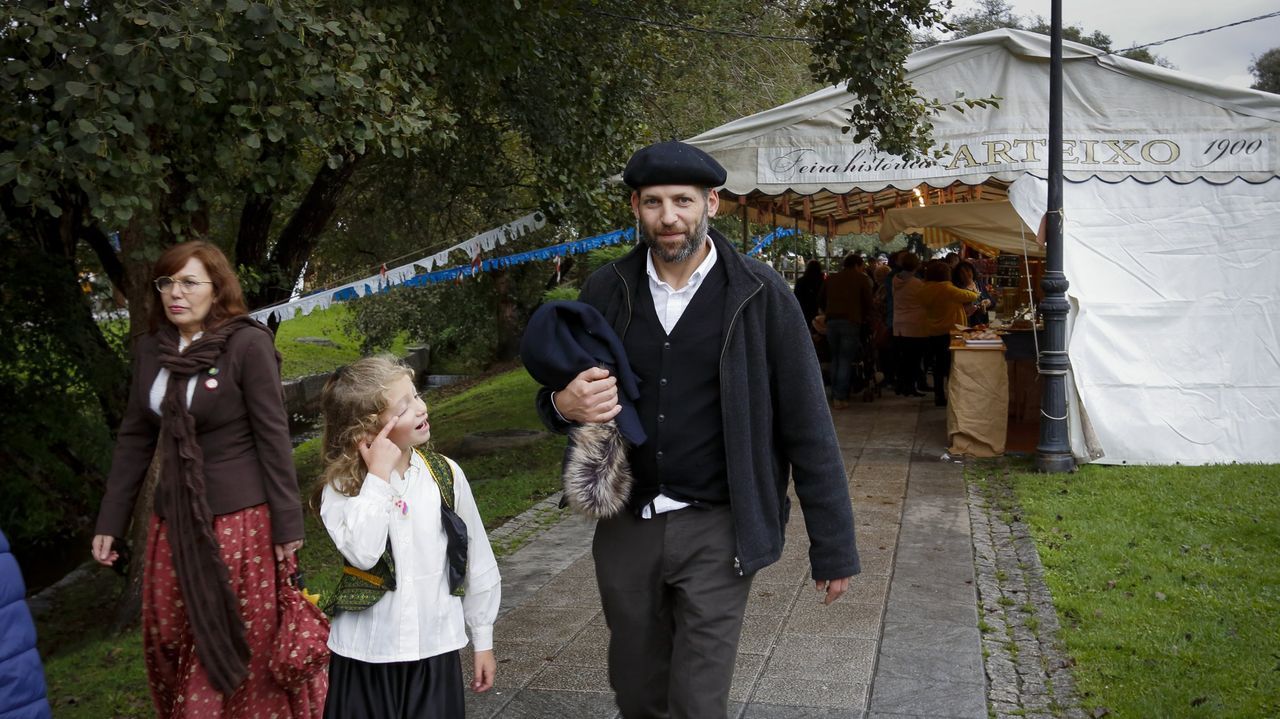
{"x": 692, "y": 242}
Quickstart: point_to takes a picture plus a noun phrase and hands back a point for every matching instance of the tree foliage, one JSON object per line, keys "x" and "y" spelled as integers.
{"x": 865, "y": 44}
{"x": 1266, "y": 71}
{"x": 135, "y": 124}
{"x": 996, "y": 14}
{"x": 319, "y": 138}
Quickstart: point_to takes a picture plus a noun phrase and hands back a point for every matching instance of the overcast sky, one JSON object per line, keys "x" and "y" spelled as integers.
{"x": 1222, "y": 55}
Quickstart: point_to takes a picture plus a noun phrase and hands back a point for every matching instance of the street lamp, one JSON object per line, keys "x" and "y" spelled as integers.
{"x": 1053, "y": 453}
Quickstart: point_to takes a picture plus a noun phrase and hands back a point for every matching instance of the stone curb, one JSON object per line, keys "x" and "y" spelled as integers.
{"x": 526, "y": 526}
{"x": 1028, "y": 673}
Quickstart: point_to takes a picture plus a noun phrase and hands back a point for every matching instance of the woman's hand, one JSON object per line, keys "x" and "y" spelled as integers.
{"x": 286, "y": 549}
{"x": 381, "y": 454}
{"x": 102, "y": 551}
{"x": 485, "y": 668}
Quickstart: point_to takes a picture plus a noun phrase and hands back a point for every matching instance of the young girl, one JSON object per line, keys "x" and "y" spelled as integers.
{"x": 382, "y": 496}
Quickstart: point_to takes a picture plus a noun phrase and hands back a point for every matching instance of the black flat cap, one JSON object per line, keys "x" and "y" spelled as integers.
{"x": 672, "y": 163}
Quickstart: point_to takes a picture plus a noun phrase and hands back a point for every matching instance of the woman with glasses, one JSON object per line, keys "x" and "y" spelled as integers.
{"x": 206, "y": 402}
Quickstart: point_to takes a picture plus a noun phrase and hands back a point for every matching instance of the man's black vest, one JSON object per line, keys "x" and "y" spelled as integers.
{"x": 679, "y": 403}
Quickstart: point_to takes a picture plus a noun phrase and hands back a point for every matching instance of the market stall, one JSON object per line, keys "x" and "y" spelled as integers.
{"x": 1172, "y": 225}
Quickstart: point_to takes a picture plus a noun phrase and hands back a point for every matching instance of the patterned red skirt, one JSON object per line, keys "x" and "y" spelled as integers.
{"x": 179, "y": 686}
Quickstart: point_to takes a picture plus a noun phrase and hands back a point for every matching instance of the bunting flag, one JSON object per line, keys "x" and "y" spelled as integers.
{"x": 763, "y": 242}
{"x": 398, "y": 277}
{"x": 386, "y": 278}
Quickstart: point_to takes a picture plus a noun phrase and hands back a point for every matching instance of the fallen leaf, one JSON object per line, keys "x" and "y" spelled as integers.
{"x": 1160, "y": 596}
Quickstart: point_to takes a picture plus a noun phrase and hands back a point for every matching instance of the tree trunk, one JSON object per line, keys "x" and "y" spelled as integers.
{"x": 299, "y": 237}
{"x": 255, "y": 230}
{"x": 138, "y": 290}
{"x": 508, "y": 332}
{"x": 85, "y": 344}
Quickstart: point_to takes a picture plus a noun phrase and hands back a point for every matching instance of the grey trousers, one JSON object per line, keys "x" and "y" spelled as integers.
{"x": 674, "y": 605}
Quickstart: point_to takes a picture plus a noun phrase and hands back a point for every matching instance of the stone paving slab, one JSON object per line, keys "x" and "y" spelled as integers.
{"x": 902, "y": 642}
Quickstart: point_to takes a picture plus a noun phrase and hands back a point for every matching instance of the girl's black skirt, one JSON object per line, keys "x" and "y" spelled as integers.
{"x": 430, "y": 687}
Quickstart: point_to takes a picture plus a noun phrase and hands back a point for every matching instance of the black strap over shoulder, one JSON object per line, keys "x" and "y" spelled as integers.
{"x": 455, "y": 529}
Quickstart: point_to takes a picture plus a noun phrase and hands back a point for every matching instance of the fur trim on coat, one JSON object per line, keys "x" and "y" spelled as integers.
{"x": 597, "y": 476}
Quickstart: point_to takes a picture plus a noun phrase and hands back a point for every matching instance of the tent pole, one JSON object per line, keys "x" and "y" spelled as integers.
{"x": 1053, "y": 453}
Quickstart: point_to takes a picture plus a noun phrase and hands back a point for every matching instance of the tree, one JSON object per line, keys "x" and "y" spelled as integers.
{"x": 135, "y": 124}
{"x": 996, "y": 14}
{"x": 306, "y": 133}
{"x": 864, "y": 45}
{"x": 1266, "y": 71}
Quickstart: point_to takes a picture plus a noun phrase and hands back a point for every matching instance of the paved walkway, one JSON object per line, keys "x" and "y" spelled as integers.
{"x": 903, "y": 642}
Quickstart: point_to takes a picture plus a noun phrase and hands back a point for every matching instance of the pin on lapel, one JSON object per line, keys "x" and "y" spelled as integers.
{"x": 211, "y": 384}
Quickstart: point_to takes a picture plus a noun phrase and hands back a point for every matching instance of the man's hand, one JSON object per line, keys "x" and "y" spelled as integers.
{"x": 592, "y": 396}
{"x": 834, "y": 588}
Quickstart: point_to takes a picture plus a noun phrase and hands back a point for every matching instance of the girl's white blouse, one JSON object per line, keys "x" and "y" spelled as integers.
{"x": 419, "y": 619}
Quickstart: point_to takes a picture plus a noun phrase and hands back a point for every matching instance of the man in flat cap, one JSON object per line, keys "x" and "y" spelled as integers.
{"x": 732, "y": 404}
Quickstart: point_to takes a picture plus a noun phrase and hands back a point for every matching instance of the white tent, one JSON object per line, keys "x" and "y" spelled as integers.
{"x": 992, "y": 225}
{"x": 1172, "y": 224}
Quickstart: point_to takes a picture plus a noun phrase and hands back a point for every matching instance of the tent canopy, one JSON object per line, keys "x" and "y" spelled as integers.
{"x": 994, "y": 225}
{"x": 792, "y": 165}
{"x": 1171, "y": 224}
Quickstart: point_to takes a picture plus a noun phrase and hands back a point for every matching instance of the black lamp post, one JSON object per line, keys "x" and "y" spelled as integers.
{"x": 1053, "y": 453}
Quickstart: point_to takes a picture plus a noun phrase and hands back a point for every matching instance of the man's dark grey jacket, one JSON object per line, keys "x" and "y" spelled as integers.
{"x": 776, "y": 421}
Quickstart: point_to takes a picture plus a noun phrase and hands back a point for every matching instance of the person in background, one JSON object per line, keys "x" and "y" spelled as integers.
{"x": 732, "y": 404}
{"x": 206, "y": 389}
{"x": 846, "y": 301}
{"x": 22, "y": 688}
{"x": 944, "y": 305}
{"x": 964, "y": 276}
{"x": 910, "y": 327}
{"x": 809, "y": 290}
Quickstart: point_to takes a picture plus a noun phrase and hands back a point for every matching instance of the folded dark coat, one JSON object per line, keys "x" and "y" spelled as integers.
{"x": 561, "y": 340}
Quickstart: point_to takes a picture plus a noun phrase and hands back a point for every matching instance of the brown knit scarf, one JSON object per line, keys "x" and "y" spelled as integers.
{"x": 213, "y": 610}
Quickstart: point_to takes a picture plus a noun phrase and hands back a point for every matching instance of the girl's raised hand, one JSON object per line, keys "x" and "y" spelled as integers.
{"x": 381, "y": 454}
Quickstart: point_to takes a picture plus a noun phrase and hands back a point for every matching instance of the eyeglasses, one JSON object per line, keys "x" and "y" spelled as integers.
{"x": 163, "y": 284}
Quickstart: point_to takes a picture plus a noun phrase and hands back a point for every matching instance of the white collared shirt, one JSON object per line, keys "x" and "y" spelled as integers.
{"x": 669, "y": 302}
{"x": 420, "y": 618}
{"x": 670, "y": 305}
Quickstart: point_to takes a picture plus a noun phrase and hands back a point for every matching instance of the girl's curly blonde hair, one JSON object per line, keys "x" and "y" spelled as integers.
{"x": 353, "y": 398}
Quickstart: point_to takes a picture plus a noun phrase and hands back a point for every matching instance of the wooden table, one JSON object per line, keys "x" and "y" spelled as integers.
{"x": 977, "y": 400}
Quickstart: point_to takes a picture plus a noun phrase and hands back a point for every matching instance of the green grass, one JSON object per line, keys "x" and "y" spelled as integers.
{"x": 302, "y": 359}
{"x": 1167, "y": 585}
{"x": 93, "y": 674}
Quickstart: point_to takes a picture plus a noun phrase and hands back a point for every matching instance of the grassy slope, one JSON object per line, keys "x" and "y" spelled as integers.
{"x": 93, "y": 675}
{"x": 1167, "y": 585}
{"x": 303, "y": 359}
